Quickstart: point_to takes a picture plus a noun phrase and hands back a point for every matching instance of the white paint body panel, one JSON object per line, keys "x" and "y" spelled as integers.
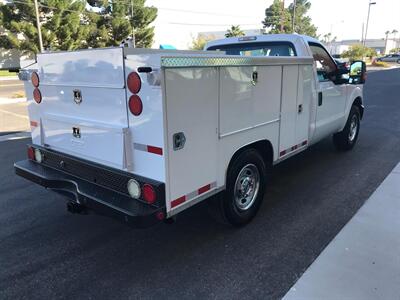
{"x": 245, "y": 106}
{"x": 94, "y": 68}
{"x": 192, "y": 108}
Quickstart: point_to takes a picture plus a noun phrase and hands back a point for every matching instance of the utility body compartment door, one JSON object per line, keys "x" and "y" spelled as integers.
{"x": 83, "y": 110}
{"x": 191, "y": 100}
{"x": 297, "y": 87}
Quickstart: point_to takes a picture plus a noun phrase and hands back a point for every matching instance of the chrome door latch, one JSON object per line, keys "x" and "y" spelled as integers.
{"x": 254, "y": 78}
{"x": 300, "y": 108}
{"x": 179, "y": 140}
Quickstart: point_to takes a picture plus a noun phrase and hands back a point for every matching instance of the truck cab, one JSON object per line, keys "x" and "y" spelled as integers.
{"x": 333, "y": 88}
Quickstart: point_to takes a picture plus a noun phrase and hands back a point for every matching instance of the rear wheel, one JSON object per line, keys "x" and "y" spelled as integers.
{"x": 246, "y": 180}
{"x": 347, "y": 138}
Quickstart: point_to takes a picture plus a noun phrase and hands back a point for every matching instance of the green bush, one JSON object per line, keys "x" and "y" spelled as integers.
{"x": 358, "y": 51}
{"x": 380, "y": 64}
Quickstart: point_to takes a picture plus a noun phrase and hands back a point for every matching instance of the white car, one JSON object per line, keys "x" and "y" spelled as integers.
{"x": 142, "y": 134}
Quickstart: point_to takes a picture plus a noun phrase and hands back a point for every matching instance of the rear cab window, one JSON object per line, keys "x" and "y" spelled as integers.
{"x": 257, "y": 49}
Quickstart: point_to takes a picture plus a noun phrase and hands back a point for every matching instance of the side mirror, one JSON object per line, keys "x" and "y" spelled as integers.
{"x": 358, "y": 72}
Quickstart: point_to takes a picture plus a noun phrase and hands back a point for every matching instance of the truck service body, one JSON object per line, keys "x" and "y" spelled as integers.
{"x": 142, "y": 134}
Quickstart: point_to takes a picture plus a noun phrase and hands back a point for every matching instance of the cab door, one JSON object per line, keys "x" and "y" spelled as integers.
{"x": 331, "y": 102}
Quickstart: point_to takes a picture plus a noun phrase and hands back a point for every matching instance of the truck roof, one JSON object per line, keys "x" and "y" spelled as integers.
{"x": 298, "y": 40}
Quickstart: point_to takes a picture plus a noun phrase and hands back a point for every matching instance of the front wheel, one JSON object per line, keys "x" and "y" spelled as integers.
{"x": 246, "y": 180}
{"x": 347, "y": 138}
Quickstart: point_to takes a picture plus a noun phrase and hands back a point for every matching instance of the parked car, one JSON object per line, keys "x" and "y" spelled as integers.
{"x": 390, "y": 58}
{"x": 342, "y": 63}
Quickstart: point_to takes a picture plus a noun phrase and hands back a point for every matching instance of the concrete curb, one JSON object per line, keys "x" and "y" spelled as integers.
{"x": 363, "y": 260}
{"x": 15, "y": 136}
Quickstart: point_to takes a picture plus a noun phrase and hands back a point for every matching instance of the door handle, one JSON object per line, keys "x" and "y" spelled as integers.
{"x": 319, "y": 98}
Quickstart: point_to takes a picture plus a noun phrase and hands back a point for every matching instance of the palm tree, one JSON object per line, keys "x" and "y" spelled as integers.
{"x": 386, "y": 40}
{"x": 394, "y": 32}
{"x": 234, "y": 31}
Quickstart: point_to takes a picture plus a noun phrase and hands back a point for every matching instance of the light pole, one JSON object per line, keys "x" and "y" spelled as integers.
{"x": 294, "y": 15}
{"x": 366, "y": 27}
{"x": 38, "y": 26}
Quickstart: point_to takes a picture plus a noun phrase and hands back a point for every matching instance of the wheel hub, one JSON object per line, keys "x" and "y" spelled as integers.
{"x": 246, "y": 187}
{"x": 353, "y": 128}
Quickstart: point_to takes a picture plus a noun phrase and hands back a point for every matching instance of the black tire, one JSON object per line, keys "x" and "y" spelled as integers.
{"x": 232, "y": 209}
{"x": 398, "y": 61}
{"x": 347, "y": 138}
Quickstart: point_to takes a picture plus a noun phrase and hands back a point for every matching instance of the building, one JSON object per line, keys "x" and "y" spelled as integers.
{"x": 381, "y": 46}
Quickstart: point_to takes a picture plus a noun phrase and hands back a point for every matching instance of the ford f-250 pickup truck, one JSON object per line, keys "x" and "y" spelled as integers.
{"x": 142, "y": 134}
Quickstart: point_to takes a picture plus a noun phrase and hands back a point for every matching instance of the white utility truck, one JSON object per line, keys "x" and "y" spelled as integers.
{"x": 142, "y": 134}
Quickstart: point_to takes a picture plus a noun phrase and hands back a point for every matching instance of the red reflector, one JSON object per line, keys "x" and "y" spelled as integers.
{"x": 178, "y": 201}
{"x": 37, "y": 95}
{"x": 149, "y": 194}
{"x": 134, "y": 82}
{"x": 155, "y": 150}
{"x": 35, "y": 79}
{"x": 204, "y": 189}
{"x": 34, "y": 124}
{"x": 135, "y": 105}
{"x": 160, "y": 215}
{"x": 31, "y": 153}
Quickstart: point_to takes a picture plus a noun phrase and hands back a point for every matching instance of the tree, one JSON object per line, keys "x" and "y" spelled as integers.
{"x": 234, "y": 31}
{"x": 395, "y": 50}
{"x": 62, "y": 25}
{"x": 328, "y": 39}
{"x": 394, "y": 32}
{"x": 359, "y": 51}
{"x": 118, "y": 19}
{"x": 199, "y": 42}
{"x": 386, "y": 39}
{"x": 278, "y": 19}
{"x": 68, "y": 25}
{"x": 303, "y": 23}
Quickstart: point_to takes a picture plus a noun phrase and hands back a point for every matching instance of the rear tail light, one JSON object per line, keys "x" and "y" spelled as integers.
{"x": 35, "y": 79}
{"x": 135, "y": 105}
{"x": 35, "y": 154}
{"x": 37, "y": 95}
{"x": 149, "y": 194}
{"x": 31, "y": 153}
{"x": 134, "y": 82}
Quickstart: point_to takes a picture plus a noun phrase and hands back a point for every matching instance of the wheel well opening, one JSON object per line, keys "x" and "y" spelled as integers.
{"x": 264, "y": 147}
{"x": 358, "y": 102}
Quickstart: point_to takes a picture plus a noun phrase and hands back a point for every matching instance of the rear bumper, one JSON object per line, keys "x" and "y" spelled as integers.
{"x": 92, "y": 196}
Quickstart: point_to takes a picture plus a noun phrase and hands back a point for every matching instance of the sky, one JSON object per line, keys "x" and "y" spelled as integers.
{"x": 179, "y": 21}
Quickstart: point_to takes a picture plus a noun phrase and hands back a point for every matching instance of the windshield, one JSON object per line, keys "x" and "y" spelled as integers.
{"x": 257, "y": 49}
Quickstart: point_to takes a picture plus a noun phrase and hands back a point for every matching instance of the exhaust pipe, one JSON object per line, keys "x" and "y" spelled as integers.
{"x": 76, "y": 208}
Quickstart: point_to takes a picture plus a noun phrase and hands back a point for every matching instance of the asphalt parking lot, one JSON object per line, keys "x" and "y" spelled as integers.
{"x": 46, "y": 252}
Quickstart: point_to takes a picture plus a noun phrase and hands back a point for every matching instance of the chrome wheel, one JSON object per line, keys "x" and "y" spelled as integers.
{"x": 353, "y": 128}
{"x": 246, "y": 187}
